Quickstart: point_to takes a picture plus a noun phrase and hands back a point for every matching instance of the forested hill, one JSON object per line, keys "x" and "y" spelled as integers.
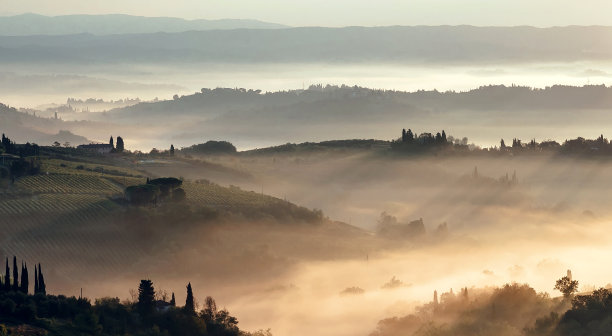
{"x": 418, "y": 44}
{"x": 352, "y": 102}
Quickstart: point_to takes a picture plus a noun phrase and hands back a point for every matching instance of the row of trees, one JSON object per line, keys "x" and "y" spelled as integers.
{"x": 22, "y": 284}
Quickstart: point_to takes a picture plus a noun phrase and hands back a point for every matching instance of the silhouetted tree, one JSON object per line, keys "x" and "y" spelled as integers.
{"x": 567, "y": 286}
{"x": 111, "y": 142}
{"x": 25, "y": 283}
{"x": 189, "y": 303}
{"x": 502, "y": 144}
{"x": 146, "y": 299}
{"x": 210, "y": 309}
{"x": 7, "y": 277}
{"x": 15, "y": 275}
{"x": 42, "y": 288}
{"x": 173, "y": 300}
{"x": 171, "y": 149}
{"x": 35, "y": 279}
{"x": 409, "y": 136}
{"x": 120, "y": 145}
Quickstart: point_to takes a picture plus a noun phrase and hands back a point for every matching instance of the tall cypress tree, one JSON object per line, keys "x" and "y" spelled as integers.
{"x": 7, "y": 277}
{"x": 15, "y": 275}
{"x": 146, "y": 299}
{"x": 120, "y": 145}
{"x": 41, "y": 282}
{"x": 189, "y": 303}
{"x": 25, "y": 282}
{"x": 35, "y": 279}
{"x": 173, "y": 301}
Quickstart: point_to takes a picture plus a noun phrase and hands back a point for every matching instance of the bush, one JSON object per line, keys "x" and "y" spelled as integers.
{"x": 26, "y": 312}
{"x": 7, "y": 307}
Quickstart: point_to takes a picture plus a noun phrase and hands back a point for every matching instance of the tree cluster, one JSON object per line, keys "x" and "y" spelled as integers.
{"x": 156, "y": 190}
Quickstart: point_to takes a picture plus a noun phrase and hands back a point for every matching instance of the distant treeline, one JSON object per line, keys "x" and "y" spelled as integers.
{"x": 413, "y": 142}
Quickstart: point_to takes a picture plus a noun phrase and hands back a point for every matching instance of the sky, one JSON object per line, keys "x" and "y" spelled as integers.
{"x": 541, "y": 13}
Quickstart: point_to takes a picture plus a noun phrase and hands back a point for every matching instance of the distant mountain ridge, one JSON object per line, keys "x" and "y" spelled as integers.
{"x": 408, "y": 45}
{"x": 34, "y": 24}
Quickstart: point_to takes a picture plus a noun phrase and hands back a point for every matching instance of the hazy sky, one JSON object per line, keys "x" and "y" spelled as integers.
{"x": 343, "y": 12}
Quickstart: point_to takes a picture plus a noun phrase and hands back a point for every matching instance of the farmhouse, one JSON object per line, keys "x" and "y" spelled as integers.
{"x": 97, "y": 148}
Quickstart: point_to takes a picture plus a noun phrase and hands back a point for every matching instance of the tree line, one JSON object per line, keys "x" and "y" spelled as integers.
{"x": 152, "y": 314}
{"x": 22, "y": 284}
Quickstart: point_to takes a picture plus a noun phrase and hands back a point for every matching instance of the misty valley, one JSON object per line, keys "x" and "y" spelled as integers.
{"x": 178, "y": 176}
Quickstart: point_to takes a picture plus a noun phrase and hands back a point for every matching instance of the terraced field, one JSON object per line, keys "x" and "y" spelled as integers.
{"x": 67, "y": 184}
{"x": 216, "y": 196}
{"x": 66, "y": 217}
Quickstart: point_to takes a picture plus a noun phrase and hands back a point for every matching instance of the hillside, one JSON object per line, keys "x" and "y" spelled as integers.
{"x": 24, "y": 127}
{"x": 249, "y": 118}
{"x": 33, "y": 24}
{"x": 73, "y": 217}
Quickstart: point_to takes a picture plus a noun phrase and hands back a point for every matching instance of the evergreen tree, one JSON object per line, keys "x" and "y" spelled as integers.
{"x": 172, "y": 150}
{"x": 120, "y": 145}
{"x": 173, "y": 301}
{"x": 502, "y": 145}
{"x": 146, "y": 297}
{"x": 35, "y": 279}
{"x": 7, "y": 277}
{"x": 409, "y": 136}
{"x": 112, "y": 142}
{"x": 404, "y": 135}
{"x": 189, "y": 303}
{"x": 15, "y": 275}
{"x": 25, "y": 282}
{"x": 41, "y": 282}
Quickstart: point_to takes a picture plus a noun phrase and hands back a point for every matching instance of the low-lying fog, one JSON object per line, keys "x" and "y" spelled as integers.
{"x": 554, "y": 217}
{"x": 30, "y": 85}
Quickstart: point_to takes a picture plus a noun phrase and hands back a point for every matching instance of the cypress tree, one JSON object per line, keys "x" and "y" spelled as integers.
{"x": 146, "y": 299}
{"x": 173, "y": 301}
{"x": 41, "y": 282}
{"x": 35, "y": 279}
{"x": 25, "y": 283}
{"x": 15, "y": 275}
{"x": 189, "y": 303}
{"x": 111, "y": 142}
{"x": 7, "y": 277}
{"x": 120, "y": 146}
